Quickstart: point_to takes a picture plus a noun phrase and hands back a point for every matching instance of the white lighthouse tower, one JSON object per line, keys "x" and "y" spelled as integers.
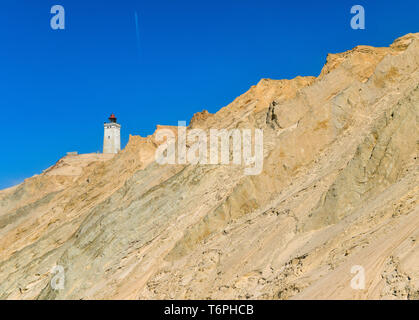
{"x": 112, "y": 136}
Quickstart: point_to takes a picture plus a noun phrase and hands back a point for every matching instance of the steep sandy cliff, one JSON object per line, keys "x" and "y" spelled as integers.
{"x": 339, "y": 188}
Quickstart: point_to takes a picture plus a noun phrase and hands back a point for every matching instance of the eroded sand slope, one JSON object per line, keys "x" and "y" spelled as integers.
{"x": 339, "y": 188}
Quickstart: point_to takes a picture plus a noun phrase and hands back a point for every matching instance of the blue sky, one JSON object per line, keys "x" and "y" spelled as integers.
{"x": 57, "y": 87}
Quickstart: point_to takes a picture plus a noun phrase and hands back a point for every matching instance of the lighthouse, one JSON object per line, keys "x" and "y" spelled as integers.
{"x": 112, "y": 136}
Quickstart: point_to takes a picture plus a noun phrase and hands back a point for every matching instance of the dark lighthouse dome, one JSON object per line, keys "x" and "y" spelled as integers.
{"x": 112, "y": 118}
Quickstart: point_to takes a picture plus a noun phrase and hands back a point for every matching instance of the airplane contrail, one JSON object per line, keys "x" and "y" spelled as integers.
{"x": 137, "y": 30}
